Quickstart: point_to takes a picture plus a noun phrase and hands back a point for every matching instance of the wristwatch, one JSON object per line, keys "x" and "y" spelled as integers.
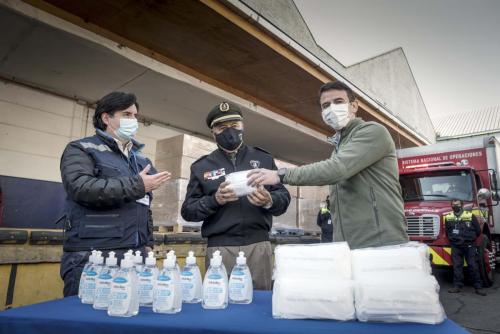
{"x": 282, "y": 173}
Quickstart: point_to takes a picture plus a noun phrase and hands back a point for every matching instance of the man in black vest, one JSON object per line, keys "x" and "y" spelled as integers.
{"x": 462, "y": 229}
{"x": 109, "y": 188}
{"x": 232, "y": 223}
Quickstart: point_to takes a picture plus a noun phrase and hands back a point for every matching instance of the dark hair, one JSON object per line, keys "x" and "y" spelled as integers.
{"x": 337, "y": 85}
{"x": 457, "y": 200}
{"x": 112, "y": 103}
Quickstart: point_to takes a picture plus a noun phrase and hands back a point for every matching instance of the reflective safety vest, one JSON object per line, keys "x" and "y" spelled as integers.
{"x": 460, "y": 230}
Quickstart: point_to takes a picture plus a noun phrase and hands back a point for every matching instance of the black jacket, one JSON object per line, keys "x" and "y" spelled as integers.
{"x": 102, "y": 186}
{"x": 236, "y": 223}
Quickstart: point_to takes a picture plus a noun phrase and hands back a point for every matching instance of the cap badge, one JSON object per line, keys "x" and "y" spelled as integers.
{"x": 224, "y": 106}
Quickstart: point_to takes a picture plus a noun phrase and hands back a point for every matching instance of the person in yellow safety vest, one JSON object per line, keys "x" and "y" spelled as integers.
{"x": 324, "y": 221}
{"x": 462, "y": 228}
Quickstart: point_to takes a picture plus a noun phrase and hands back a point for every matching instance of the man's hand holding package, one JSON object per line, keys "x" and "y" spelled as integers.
{"x": 225, "y": 194}
{"x": 260, "y": 197}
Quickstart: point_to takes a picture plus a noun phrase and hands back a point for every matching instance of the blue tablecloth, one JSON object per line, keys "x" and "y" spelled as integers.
{"x": 68, "y": 315}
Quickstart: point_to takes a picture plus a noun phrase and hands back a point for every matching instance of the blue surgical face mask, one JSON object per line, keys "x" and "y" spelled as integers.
{"x": 128, "y": 128}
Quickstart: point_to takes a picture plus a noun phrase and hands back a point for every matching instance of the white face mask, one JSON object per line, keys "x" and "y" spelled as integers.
{"x": 336, "y": 115}
{"x": 128, "y": 128}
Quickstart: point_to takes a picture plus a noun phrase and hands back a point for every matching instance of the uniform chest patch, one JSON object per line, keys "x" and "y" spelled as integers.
{"x": 255, "y": 163}
{"x": 214, "y": 174}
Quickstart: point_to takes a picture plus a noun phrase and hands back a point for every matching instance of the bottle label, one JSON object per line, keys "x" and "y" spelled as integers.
{"x": 121, "y": 296}
{"x": 88, "y": 290}
{"x": 214, "y": 293}
{"x": 103, "y": 290}
{"x": 237, "y": 287}
{"x": 145, "y": 288}
{"x": 188, "y": 285}
{"x": 164, "y": 293}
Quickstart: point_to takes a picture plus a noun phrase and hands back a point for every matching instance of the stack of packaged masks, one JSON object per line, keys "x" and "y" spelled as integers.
{"x": 395, "y": 284}
{"x": 313, "y": 282}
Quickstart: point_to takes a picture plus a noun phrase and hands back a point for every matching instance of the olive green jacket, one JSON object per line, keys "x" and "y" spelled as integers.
{"x": 365, "y": 193}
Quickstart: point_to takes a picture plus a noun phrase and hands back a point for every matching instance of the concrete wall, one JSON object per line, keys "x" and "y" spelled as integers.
{"x": 388, "y": 79}
{"x": 36, "y": 126}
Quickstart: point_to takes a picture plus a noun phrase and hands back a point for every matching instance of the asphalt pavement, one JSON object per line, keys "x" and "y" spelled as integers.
{"x": 477, "y": 314}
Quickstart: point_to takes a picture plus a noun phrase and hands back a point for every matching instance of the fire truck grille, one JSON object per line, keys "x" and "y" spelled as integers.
{"x": 423, "y": 226}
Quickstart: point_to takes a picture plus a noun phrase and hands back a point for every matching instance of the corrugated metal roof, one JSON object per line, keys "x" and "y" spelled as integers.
{"x": 480, "y": 121}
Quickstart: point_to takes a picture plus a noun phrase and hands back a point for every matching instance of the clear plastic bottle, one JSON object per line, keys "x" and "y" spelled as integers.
{"x": 215, "y": 294}
{"x": 240, "y": 282}
{"x": 138, "y": 262}
{"x": 217, "y": 253}
{"x": 191, "y": 280}
{"x": 84, "y": 272}
{"x": 146, "y": 280}
{"x": 124, "y": 301}
{"x": 104, "y": 281}
{"x": 167, "y": 294}
{"x": 89, "y": 283}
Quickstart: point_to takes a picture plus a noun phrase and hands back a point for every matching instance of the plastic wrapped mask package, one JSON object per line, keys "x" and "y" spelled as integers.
{"x": 404, "y": 296}
{"x": 394, "y": 284}
{"x": 391, "y": 258}
{"x": 313, "y": 282}
{"x": 332, "y": 259}
{"x": 238, "y": 183}
{"x": 313, "y": 298}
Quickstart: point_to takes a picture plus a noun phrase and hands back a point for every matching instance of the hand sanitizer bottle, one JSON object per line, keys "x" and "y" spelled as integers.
{"x": 91, "y": 278}
{"x": 167, "y": 295}
{"x": 191, "y": 280}
{"x": 124, "y": 301}
{"x": 215, "y": 293}
{"x": 217, "y": 253}
{"x": 240, "y": 282}
{"x": 104, "y": 281}
{"x": 84, "y": 272}
{"x": 146, "y": 281}
{"x": 138, "y": 262}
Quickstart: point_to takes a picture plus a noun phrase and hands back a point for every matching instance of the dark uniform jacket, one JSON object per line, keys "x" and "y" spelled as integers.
{"x": 462, "y": 230}
{"x": 102, "y": 187}
{"x": 324, "y": 221}
{"x": 235, "y": 223}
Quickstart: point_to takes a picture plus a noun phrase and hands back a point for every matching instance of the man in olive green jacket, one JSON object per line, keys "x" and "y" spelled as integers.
{"x": 362, "y": 173}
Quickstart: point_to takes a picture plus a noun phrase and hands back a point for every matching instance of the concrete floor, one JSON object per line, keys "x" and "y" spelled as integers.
{"x": 477, "y": 314}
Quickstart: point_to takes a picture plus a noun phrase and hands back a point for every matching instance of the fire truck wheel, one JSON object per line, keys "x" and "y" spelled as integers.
{"x": 487, "y": 274}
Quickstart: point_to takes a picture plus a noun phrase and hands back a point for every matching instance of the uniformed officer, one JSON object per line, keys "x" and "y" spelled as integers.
{"x": 324, "y": 221}
{"x": 234, "y": 224}
{"x": 462, "y": 229}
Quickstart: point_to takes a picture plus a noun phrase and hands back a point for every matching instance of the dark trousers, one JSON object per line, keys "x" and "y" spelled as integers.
{"x": 259, "y": 260}
{"x": 458, "y": 253}
{"x": 326, "y": 235}
{"x": 72, "y": 264}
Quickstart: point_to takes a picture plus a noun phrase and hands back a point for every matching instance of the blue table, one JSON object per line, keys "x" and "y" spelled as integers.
{"x": 68, "y": 315}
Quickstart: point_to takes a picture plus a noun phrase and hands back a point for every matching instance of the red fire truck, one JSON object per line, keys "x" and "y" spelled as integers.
{"x": 431, "y": 176}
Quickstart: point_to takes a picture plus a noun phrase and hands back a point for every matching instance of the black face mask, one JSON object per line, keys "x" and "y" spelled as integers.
{"x": 456, "y": 208}
{"x": 229, "y": 139}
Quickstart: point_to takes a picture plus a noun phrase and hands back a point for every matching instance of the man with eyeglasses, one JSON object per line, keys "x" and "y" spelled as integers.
{"x": 231, "y": 223}
{"x": 362, "y": 171}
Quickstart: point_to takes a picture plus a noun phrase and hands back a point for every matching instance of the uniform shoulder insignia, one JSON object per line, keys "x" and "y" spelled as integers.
{"x": 261, "y": 149}
{"x": 199, "y": 159}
